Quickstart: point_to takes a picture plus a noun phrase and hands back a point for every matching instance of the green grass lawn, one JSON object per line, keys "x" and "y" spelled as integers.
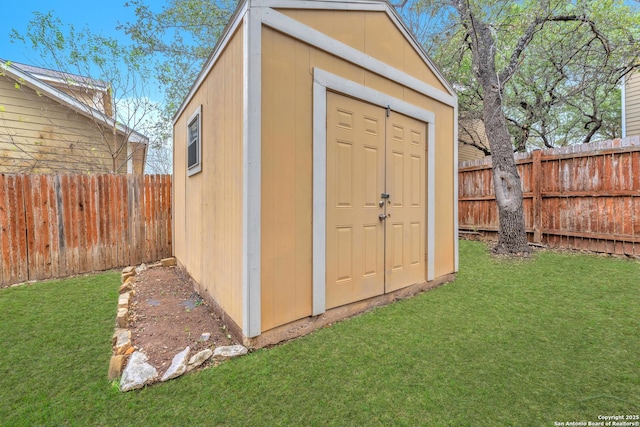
{"x": 524, "y": 343}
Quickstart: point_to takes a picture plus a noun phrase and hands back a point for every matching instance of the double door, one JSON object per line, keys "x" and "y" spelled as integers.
{"x": 376, "y": 196}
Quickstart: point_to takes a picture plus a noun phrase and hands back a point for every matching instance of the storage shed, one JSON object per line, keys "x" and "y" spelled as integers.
{"x": 315, "y": 167}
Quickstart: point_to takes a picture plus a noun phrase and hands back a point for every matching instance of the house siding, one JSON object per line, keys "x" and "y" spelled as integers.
{"x": 471, "y": 131}
{"x": 40, "y": 135}
{"x": 632, "y": 104}
{"x": 467, "y": 152}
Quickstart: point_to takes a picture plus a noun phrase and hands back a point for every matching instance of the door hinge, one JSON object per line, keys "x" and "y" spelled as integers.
{"x": 388, "y": 110}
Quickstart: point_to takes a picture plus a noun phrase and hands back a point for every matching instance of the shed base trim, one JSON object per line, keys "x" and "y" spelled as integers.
{"x": 307, "y": 325}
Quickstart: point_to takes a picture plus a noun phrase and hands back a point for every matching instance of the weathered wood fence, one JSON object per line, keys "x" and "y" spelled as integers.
{"x": 60, "y": 225}
{"x": 581, "y": 197}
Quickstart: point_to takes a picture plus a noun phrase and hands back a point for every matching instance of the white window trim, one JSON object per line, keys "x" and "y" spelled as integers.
{"x": 323, "y": 81}
{"x": 197, "y": 115}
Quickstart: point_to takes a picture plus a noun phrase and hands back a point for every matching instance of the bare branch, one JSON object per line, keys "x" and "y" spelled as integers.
{"x": 594, "y": 28}
{"x": 522, "y": 44}
{"x": 476, "y": 145}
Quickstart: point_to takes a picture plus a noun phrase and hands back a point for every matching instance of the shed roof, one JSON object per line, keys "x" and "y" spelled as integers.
{"x": 359, "y": 5}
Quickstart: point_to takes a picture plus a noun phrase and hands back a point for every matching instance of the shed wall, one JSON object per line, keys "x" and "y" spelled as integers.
{"x": 40, "y": 135}
{"x": 287, "y": 82}
{"x": 372, "y": 33}
{"x": 208, "y": 205}
{"x": 632, "y": 104}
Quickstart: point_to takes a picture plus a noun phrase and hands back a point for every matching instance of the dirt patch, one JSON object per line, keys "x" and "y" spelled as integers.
{"x": 166, "y": 315}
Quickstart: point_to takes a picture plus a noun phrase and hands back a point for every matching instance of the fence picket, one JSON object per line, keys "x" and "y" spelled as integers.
{"x": 22, "y": 269}
{"x": 5, "y": 248}
{"x": 587, "y": 198}
{"x": 58, "y": 225}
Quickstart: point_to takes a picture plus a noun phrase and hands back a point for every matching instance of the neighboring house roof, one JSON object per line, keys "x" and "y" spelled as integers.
{"x": 20, "y": 74}
{"x": 48, "y": 75}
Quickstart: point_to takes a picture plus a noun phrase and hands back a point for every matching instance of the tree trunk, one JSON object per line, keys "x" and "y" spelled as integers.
{"x": 512, "y": 237}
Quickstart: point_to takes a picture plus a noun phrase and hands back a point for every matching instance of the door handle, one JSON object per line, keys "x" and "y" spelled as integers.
{"x": 382, "y": 217}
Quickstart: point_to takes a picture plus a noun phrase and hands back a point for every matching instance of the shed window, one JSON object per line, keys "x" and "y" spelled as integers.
{"x": 194, "y": 142}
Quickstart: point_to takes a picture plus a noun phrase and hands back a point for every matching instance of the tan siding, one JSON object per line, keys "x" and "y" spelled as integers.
{"x": 92, "y": 98}
{"x": 467, "y": 152}
{"x": 137, "y": 154}
{"x": 38, "y": 134}
{"x": 383, "y": 41}
{"x": 287, "y": 160}
{"x": 632, "y": 104}
{"x": 286, "y": 185}
{"x": 208, "y": 205}
{"x": 471, "y": 131}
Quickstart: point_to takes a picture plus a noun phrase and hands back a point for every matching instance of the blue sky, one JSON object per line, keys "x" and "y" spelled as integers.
{"x": 100, "y": 17}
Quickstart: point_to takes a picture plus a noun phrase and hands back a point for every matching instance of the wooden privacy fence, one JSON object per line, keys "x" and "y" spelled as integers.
{"x": 60, "y": 225}
{"x": 581, "y": 197}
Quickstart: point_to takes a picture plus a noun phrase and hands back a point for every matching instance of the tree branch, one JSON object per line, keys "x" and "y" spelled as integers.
{"x": 536, "y": 26}
{"x": 594, "y": 28}
{"x": 522, "y": 44}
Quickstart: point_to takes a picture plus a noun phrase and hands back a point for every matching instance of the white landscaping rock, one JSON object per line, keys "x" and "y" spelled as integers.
{"x": 141, "y": 268}
{"x": 198, "y": 359}
{"x": 138, "y": 373}
{"x": 228, "y": 352}
{"x": 178, "y": 365}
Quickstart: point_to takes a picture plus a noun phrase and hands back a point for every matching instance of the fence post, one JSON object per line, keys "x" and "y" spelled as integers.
{"x": 536, "y": 177}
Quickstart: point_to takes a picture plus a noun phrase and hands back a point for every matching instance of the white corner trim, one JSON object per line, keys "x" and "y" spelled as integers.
{"x": 431, "y": 200}
{"x": 456, "y": 243}
{"x": 213, "y": 58}
{"x": 295, "y": 29}
{"x": 319, "y": 250}
{"x": 323, "y": 81}
{"x": 251, "y": 173}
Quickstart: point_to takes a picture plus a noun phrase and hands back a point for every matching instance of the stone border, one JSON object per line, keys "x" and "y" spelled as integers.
{"x": 129, "y": 365}
{"x": 121, "y": 339}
